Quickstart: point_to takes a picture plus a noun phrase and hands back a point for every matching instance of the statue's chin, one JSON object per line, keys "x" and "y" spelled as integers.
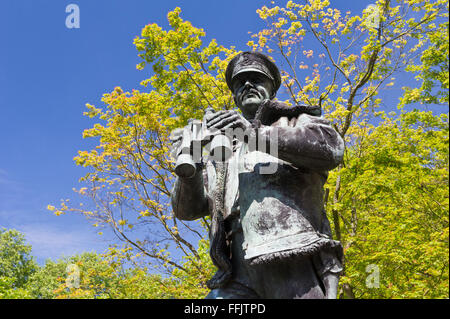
{"x": 252, "y": 100}
{"x": 250, "y": 106}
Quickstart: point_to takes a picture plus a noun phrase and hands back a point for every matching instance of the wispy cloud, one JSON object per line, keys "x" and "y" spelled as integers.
{"x": 4, "y": 178}
{"x": 10, "y": 189}
{"x": 2, "y": 172}
{"x": 50, "y": 236}
{"x": 49, "y": 242}
{"x": 54, "y": 237}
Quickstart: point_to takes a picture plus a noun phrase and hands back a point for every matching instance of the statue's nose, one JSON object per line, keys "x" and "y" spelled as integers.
{"x": 248, "y": 83}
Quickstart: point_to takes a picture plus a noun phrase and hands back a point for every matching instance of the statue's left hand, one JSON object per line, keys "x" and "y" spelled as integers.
{"x": 226, "y": 119}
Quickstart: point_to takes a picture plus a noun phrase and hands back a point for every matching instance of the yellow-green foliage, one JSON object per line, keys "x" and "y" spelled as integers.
{"x": 387, "y": 203}
{"x": 394, "y": 207}
{"x": 130, "y": 170}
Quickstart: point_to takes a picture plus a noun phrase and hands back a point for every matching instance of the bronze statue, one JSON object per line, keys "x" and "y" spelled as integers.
{"x": 270, "y": 237}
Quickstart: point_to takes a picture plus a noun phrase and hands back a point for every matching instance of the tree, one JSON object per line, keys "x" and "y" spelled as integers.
{"x": 394, "y": 208}
{"x": 432, "y": 70}
{"x": 43, "y": 283}
{"x": 91, "y": 275}
{"x": 7, "y": 290}
{"x": 131, "y": 171}
{"x": 16, "y": 264}
{"x": 112, "y": 275}
{"x": 358, "y": 57}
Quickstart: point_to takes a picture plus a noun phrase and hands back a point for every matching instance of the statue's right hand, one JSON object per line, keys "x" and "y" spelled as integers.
{"x": 226, "y": 119}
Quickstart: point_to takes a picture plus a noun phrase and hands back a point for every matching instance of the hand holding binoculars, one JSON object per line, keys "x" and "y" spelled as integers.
{"x": 195, "y": 136}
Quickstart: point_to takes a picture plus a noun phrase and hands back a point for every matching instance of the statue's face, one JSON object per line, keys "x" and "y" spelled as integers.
{"x": 249, "y": 90}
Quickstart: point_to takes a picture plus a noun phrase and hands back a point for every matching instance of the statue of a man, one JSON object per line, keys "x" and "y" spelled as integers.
{"x": 270, "y": 237}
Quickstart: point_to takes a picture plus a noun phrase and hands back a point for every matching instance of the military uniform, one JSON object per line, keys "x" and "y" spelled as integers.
{"x": 278, "y": 235}
{"x": 277, "y": 219}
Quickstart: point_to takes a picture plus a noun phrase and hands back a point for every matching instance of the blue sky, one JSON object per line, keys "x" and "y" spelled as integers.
{"x": 49, "y": 72}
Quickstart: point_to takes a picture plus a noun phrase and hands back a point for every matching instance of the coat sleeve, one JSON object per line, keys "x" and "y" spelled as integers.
{"x": 188, "y": 197}
{"x": 306, "y": 141}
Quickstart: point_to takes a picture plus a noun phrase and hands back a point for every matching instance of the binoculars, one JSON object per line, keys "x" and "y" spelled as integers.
{"x": 195, "y": 136}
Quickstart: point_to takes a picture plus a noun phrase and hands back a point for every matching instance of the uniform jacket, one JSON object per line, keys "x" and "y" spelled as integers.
{"x": 281, "y": 210}
{"x": 281, "y": 214}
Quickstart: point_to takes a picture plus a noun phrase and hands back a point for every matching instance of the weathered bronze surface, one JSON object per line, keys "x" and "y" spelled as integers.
{"x": 270, "y": 237}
